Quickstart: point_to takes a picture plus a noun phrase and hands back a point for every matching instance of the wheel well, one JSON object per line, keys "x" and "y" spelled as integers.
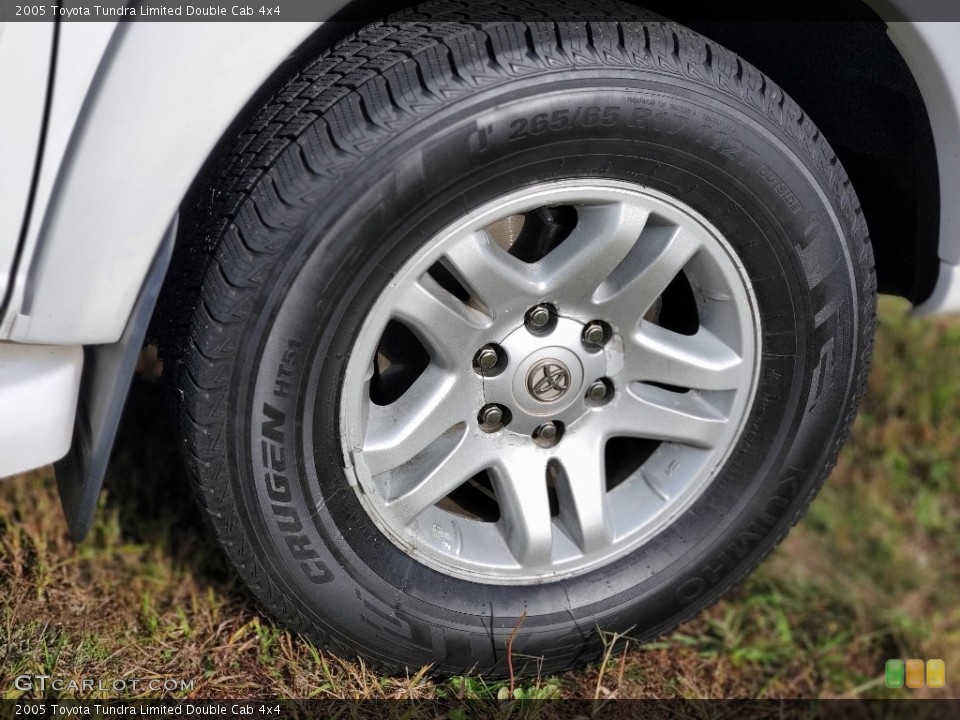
{"x": 847, "y": 76}
{"x": 854, "y": 84}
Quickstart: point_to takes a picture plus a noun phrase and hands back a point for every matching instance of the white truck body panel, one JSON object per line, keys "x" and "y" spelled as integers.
{"x": 39, "y": 386}
{"x": 80, "y": 49}
{"x": 25, "y": 54}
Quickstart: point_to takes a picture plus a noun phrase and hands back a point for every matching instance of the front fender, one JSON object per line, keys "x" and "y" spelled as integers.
{"x": 162, "y": 98}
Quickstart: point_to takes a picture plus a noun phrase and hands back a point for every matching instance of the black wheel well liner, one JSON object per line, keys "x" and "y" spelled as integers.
{"x": 854, "y": 84}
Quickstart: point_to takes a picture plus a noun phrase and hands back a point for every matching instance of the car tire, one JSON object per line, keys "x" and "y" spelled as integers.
{"x": 574, "y": 154}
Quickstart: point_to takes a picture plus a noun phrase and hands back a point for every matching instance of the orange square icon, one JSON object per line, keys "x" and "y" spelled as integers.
{"x": 914, "y": 673}
{"x": 936, "y": 673}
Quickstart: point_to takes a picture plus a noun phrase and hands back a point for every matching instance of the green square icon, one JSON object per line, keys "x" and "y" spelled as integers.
{"x": 894, "y": 673}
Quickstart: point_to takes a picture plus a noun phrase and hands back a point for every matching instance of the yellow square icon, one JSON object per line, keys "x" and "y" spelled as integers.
{"x": 914, "y": 673}
{"x": 936, "y": 673}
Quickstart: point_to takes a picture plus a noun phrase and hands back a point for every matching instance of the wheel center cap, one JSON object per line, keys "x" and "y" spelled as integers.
{"x": 546, "y": 377}
{"x": 548, "y": 380}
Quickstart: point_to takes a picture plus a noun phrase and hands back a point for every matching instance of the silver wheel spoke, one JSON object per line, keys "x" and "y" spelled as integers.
{"x": 630, "y": 293}
{"x": 603, "y": 237}
{"x": 701, "y": 361}
{"x": 582, "y": 492}
{"x": 521, "y": 480}
{"x": 646, "y": 411}
{"x": 490, "y": 272}
{"x": 469, "y": 457}
{"x": 396, "y": 433}
{"x": 440, "y": 320}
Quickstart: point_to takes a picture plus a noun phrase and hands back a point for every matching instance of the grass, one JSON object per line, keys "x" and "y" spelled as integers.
{"x": 873, "y": 572}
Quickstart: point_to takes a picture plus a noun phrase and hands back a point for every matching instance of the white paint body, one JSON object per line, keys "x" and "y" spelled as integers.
{"x": 25, "y": 54}
{"x": 134, "y": 112}
{"x": 39, "y": 385}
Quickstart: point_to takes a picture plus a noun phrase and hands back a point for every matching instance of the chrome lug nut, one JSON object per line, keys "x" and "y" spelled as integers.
{"x": 487, "y": 358}
{"x": 594, "y": 334}
{"x": 538, "y": 317}
{"x": 547, "y": 434}
{"x": 491, "y": 418}
{"x": 547, "y": 431}
{"x": 599, "y": 393}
